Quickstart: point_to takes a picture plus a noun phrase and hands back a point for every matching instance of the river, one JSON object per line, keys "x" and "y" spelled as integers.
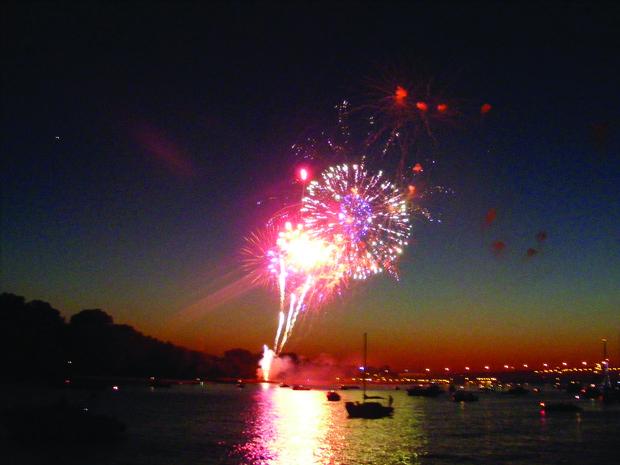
{"x": 268, "y": 425}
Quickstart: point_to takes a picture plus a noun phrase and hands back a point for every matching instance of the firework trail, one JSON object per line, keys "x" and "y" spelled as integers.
{"x": 266, "y": 361}
{"x": 302, "y": 264}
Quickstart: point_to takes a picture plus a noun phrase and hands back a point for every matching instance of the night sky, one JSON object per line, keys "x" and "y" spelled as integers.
{"x": 138, "y": 139}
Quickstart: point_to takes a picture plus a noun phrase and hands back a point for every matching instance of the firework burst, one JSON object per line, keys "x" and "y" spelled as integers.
{"x": 366, "y": 214}
{"x": 255, "y": 254}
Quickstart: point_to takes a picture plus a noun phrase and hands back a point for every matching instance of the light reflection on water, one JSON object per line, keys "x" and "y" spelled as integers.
{"x": 292, "y": 427}
{"x": 303, "y": 428}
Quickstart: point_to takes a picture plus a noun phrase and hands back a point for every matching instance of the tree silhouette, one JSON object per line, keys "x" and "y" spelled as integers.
{"x": 37, "y": 344}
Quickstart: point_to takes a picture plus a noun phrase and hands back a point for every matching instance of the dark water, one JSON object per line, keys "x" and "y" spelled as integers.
{"x": 264, "y": 424}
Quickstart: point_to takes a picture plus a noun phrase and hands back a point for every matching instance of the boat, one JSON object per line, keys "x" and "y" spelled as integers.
{"x": 333, "y": 396}
{"x": 591, "y": 392}
{"x": 464, "y": 396}
{"x": 364, "y": 409}
{"x": 61, "y": 423}
{"x": 518, "y": 391}
{"x": 284, "y": 385}
{"x": 159, "y": 383}
{"x": 347, "y": 387}
{"x": 559, "y": 407}
{"x": 368, "y": 410}
{"x": 300, "y": 387}
{"x": 610, "y": 395}
{"x": 430, "y": 391}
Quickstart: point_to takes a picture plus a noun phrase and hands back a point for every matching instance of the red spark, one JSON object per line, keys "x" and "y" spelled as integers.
{"x": 400, "y": 95}
{"x": 490, "y": 217}
{"x": 485, "y": 108}
{"x": 422, "y": 106}
{"x": 417, "y": 168}
{"x": 303, "y": 174}
{"x": 498, "y": 247}
{"x": 442, "y": 107}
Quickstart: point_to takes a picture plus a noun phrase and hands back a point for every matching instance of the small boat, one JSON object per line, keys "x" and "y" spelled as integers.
{"x": 610, "y": 395}
{"x": 368, "y": 410}
{"x": 159, "y": 383}
{"x": 518, "y": 391}
{"x": 333, "y": 396}
{"x": 559, "y": 407}
{"x": 284, "y": 385}
{"x": 430, "y": 391}
{"x": 347, "y": 387}
{"x": 464, "y": 396}
{"x": 591, "y": 392}
{"x": 300, "y": 387}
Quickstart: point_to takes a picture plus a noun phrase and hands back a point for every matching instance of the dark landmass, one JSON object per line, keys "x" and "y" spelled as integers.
{"x": 39, "y": 345}
{"x": 91, "y": 351}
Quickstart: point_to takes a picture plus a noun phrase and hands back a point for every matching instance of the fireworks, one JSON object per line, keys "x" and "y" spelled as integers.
{"x": 365, "y": 213}
{"x": 401, "y": 118}
{"x": 351, "y": 225}
{"x": 266, "y": 361}
{"x": 353, "y": 221}
{"x": 306, "y": 268}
